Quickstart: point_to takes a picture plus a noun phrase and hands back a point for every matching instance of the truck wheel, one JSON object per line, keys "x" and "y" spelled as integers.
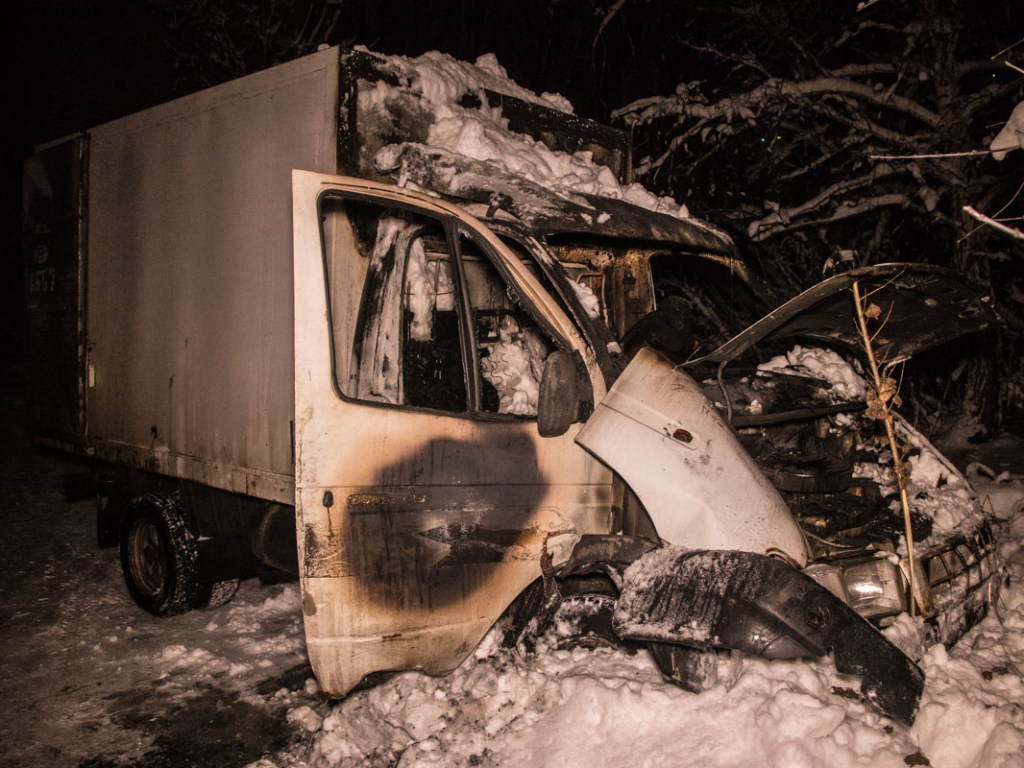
{"x": 158, "y": 555}
{"x": 582, "y": 621}
{"x": 584, "y": 616}
{"x": 220, "y": 593}
{"x": 693, "y": 669}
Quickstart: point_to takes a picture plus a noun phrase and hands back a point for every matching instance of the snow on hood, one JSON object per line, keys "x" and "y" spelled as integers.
{"x": 482, "y": 134}
{"x": 819, "y": 363}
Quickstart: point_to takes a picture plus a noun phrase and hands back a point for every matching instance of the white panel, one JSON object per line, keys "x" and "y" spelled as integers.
{"x": 190, "y": 294}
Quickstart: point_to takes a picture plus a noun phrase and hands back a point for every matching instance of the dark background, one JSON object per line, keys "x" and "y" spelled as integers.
{"x": 66, "y": 66}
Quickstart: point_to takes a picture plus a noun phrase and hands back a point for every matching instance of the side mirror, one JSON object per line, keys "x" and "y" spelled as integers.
{"x": 558, "y": 404}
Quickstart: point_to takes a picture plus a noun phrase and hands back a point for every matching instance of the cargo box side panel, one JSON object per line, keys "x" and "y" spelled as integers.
{"x": 190, "y": 296}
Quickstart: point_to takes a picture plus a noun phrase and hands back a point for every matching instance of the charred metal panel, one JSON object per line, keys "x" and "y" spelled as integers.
{"x": 762, "y": 606}
{"x": 407, "y": 118}
{"x": 190, "y": 276}
{"x": 923, "y": 306}
{"x": 545, "y": 211}
{"x": 55, "y": 273}
{"x": 562, "y": 132}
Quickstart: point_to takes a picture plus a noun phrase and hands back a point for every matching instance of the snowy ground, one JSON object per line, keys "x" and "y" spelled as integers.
{"x": 608, "y": 708}
{"x": 87, "y": 679}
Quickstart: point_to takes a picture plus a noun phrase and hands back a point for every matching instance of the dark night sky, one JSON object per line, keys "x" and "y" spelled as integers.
{"x": 84, "y": 63}
{"x": 66, "y": 66}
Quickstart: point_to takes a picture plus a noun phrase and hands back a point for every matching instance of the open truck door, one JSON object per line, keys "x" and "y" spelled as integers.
{"x": 424, "y": 492}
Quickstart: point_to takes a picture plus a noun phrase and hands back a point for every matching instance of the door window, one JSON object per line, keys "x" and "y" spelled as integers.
{"x": 421, "y": 318}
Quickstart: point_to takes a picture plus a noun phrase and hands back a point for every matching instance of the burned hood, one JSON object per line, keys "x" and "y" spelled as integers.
{"x": 543, "y": 210}
{"x": 922, "y": 306}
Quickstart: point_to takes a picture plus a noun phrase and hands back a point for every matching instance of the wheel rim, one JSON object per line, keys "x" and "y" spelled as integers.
{"x": 584, "y": 621}
{"x": 147, "y": 557}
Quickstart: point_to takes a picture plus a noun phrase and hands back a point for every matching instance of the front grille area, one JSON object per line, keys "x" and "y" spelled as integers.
{"x": 963, "y": 577}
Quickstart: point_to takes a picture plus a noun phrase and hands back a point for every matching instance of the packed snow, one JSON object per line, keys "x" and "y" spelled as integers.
{"x": 482, "y": 133}
{"x": 513, "y": 366}
{"x": 820, "y": 363}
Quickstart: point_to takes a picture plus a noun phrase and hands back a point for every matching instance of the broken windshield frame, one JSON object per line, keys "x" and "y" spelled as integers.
{"x": 714, "y": 287}
{"x": 593, "y": 325}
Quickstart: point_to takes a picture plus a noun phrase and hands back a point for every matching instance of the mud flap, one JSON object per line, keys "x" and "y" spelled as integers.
{"x": 763, "y": 607}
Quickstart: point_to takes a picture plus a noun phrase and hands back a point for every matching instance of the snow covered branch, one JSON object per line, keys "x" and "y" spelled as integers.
{"x": 1006, "y": 230}
{"x": 786, "y": 220}
{"x": 747, "y": 105}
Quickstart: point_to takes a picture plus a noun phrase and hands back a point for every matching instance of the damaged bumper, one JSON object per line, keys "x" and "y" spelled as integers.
{"x": 763, "y": 607}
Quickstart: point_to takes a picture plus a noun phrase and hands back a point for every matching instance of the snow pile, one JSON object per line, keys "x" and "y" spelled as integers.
{"x": 937, "y": 489}
{"x": 609, "y": 708}
{"x": 1011, "y": 136}
{"x": 238, "y": 644}
{"x": 513, "y": 366}
{"x": 482, "y": 133}
{"x": 587, "y": 298}
{"x": 605, "y": 708}
{"x": 819, "y": 363}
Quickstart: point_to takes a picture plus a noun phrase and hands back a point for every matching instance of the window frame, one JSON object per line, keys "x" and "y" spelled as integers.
{"x": 454, "y": 225}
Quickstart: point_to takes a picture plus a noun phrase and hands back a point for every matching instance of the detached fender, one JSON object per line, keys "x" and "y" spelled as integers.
{"x": 764, "y": 607}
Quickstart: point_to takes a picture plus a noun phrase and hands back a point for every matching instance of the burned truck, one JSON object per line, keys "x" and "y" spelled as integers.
{"x": 409, "y": 332}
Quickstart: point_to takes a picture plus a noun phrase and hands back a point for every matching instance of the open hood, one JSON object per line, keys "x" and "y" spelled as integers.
{"x": 922, "y": 306}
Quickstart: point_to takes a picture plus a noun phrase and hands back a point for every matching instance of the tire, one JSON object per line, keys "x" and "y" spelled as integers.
{"x": 220, "y": 593}
{"x": 584, "y": 616}
{"x": 582, "y": 621}
{"x": 693, "y": 669}
{"x": 158, "y": 555}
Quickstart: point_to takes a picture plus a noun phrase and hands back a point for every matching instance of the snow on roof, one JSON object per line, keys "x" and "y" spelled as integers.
{"x": 482, "y": 133}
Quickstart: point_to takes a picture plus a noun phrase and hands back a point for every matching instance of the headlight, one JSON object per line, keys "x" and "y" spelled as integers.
{"x": 830, "y": 578}
{"x": 874, "y": 587}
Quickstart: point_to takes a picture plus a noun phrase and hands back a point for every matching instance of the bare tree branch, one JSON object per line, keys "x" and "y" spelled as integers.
{"x": 1011, "y": 231}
